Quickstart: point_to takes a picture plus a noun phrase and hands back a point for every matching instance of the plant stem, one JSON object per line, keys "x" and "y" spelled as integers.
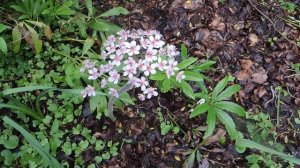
{"x": 128, "y": 86}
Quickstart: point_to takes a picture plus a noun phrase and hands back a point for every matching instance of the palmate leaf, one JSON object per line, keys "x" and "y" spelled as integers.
{"x": 231, "y": 107}
{"x": 49, "y": 160}
{"x": 253, "y": 145}
{"x": 211, "y": 122}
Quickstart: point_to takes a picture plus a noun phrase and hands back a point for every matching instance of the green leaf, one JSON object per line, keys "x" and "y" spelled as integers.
{"x": 89, "y": 42}
{"x": 220, "y": 86}
{"x": 227, "y": 93}
{"x": 125, "y": 97}
{"x": 184, "y": 51}
{"x": 3, "y": 27}
{"x": 3, "y": 45}
{"x": 159, "y": 76}
{"x": 50, "y": 160}
{"x": 35, "y": 39}
{"x": 94, "y": 102}
{"x": 192, "y": 76}
{"x": 165, "y": 128}
{"x": 54, "y": 127}
{"x": 89, "y": 6}
{"x": 64, "y": 9}
{"x": 187, "y": 90}
{"x": 189, "y": 162}
{"x": 26, "y": 111}
{"x": 102, "y": 25}
{"x": 253, "y": 145}
{"x": 211, "y": 122}
{"x": 16, "y": 36}
{"x": 231, "y": 107}
{"x": 199, "y": 109}
{"x": 115, "y": 12}
{"x": 204, "y": 66}
{"x": 166, "y": 85}
{"x": 9, "y": 157}
{"x": 12, "y": 142}
{"x": 187, "y": 62}
{"x": 228, "y": 122}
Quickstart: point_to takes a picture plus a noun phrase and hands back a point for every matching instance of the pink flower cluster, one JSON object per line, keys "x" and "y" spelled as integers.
{"x": 133, "y": 56}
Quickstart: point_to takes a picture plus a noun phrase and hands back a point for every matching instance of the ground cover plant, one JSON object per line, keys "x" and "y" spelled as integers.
{"x": 185, "y": 83}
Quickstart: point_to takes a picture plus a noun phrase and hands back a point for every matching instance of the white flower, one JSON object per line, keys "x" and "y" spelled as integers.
{"x": 109, "y": 66}
{"x": 180, "y": 76}
{"x": 130, "y": 61}
{"x": 144, "y": 42}
{"x": 140, "y": 64}
{"x": 151, "y": 55}
{"x": 170, "y": 72}
{"x": 103, "y": 83}
{"x": 123, "y": 34}
{"x": 111, "y": 39}
{"x": 87, "y": 64}
{"x": 129, "y": 71}
{"x": 171, "y": 51}
{"x": 134, "y": 34}
{"x": 104, "y": 55}
{"x": 135, "y": 81}
{"x": 143, "y": 83}
{"x": 149, "y": 69}
{"x": 155, "y": 42}
{"x": 113, "y": 92}
{"x": 88, "y": 91}
{"x": 161, "y": 64}
{"x": 201, "y": 101}
{"x": 116, "y": 59}
{"x": 114, "y": 76}
{"x": 93, "y": 74}
{"x": 141, "y": 97}
{"x": 83, "y": 93}
{"x": 150, "y": 92}
{"x": 132, "y": 48}
{"x": 111, "y": 48}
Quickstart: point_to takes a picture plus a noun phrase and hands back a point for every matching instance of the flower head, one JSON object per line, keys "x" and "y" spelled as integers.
{"x": 180, "y": 76}
{"x": 113, "y": 92}
{"x": 150, "y": 92}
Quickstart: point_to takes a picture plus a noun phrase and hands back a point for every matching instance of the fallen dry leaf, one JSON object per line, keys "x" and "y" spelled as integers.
{"x": 217, "y": 24}
{"x": 253, "y": 39}
{"x": 260, "y": 77}
{"x": 261, "y": 91}
{"x": 246, "y": 64}
{"x": 242, "y": 75}
{"x": 212, "y": 139}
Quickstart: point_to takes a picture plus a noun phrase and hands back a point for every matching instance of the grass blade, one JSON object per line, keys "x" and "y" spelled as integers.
{"x": 253, "y": 145}
{"x": 50, "y": 160}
